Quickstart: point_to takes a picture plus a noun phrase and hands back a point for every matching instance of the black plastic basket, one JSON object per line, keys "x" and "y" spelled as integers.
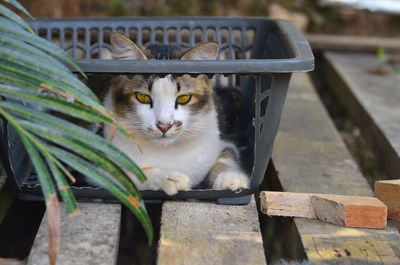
{"x": 257, "y": 56}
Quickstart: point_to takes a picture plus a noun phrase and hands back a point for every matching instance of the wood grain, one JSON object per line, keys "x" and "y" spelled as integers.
{"x": 89, "y": 238}
{"x": 388, "y": 191}
{"x": 290, "y": 204}
{"x": 371, "y": 100}
{"x": 350, "y": 211}
{"x": 207, "y": 233}
{"x": 330, "y": 244}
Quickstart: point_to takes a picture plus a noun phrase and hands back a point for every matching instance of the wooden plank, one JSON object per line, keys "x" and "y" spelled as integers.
{"x": 89, "y": 238}
{"x": 372, "y": 102}
{"x": 309, "y": 156}
{"x": 352, "y": 43}
{"x": 291, "y": 204}
{"x": 388, "y": 191}
{"x": 329, "y": 244}
{"x": 350, "y": 211}
{"x": 207, "y": 233}
{"x": 309, "y": 153}
{"x": 11, "y": 262}
{"x": 7, "y": 194}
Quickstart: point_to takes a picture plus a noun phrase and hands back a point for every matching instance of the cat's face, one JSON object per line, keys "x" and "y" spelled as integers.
{"x": 162, "y": 109}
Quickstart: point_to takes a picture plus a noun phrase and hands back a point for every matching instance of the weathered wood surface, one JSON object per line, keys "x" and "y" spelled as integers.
{"x": 7, "y": 194}
{"x": 350, "y": 211}
{"x": 388, "y": 191}
{"x": 352, "y": 43}
{"x": 207, "y": 233}
{"x": 309, "y": 156}
{"x": 329, "y": 244}
{"x": 90, "y": 238}
{"x": 291, "y": 204}
{"x": 11, "y": 262}
{"x": 371, "y": 100}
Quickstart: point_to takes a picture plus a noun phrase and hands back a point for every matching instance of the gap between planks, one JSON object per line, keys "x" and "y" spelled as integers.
{"x": 310, "y": 156}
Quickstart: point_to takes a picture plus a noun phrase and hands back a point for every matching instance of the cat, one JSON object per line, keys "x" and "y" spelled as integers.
{"x": 174, "y": 120}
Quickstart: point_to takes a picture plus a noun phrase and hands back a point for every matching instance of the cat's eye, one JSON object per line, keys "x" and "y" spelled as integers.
{"x": 184, "y": 99}
{"x": 143, "y": 98}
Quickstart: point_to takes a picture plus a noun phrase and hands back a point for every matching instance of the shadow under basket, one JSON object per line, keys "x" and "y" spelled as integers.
{"x": 256, "y": 59}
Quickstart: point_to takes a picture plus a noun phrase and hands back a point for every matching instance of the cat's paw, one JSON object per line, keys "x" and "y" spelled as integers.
{"x": 175, "y": 182}
{"x": 231, "y": 180}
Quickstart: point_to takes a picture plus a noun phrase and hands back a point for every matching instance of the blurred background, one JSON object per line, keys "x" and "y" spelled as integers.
{"x": 350, "y": 17}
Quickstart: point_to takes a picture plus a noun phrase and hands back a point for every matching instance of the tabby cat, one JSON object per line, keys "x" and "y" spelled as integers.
{"x": 174, "y": 120}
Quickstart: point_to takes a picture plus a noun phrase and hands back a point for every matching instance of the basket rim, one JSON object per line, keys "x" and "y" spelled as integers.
{"x": 301, "y": 61}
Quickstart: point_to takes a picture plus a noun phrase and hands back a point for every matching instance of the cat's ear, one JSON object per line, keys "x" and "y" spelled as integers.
{"x": 204, "y": 51}
{"x": 123, "y": 48}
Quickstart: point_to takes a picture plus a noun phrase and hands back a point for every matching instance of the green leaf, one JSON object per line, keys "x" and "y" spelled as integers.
{"x": 27, "y": 55}
{"x": 99, "y": 177}
{"x": 14, "y": 17}
{"x": 32, "y": 76}
{"x": 15, "y": 80}
{"x": 87, "y": 152}
{"x": 67, "y": 129}
{"x": 19, "y": 6}
{"x": 90, "y": 154}
{"x": 37, "y": 162}
{"x": 54, "y": 103}
{"x": 63, "y": 187}
{"x": 13, "y": 30}
{"x": 22, "y": 90}
{"x": 31, "y": 50}
{"x": 381, "y": 53}
{"x": 27, "y": 67}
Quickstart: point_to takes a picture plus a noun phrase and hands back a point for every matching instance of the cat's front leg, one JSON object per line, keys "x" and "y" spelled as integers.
{"x": 226, "y": 172}
{"x": 169, "y": 181}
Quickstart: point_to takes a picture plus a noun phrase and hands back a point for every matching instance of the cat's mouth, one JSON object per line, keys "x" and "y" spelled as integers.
{"x": 164, "y": 133}
{"x": 164, "y": 139}
{"x": 158, "y": 135}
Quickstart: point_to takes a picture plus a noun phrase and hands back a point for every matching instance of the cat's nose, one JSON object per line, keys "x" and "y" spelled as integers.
{"x": 164, "y": 127}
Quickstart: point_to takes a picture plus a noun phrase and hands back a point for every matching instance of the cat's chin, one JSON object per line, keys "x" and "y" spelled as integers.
{"x": 163, "y": 140}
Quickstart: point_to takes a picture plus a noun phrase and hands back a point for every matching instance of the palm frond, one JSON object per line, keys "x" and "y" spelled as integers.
{"x": 36, "y": 87}
{"x": 14, "y": 17}
{"x": 19, "y": 6}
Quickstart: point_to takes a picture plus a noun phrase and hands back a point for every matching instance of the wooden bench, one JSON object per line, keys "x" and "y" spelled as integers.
{"x": 309, "y": 156}
{"x": 191, "y": 233}
{"x": 371, "y": 99}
